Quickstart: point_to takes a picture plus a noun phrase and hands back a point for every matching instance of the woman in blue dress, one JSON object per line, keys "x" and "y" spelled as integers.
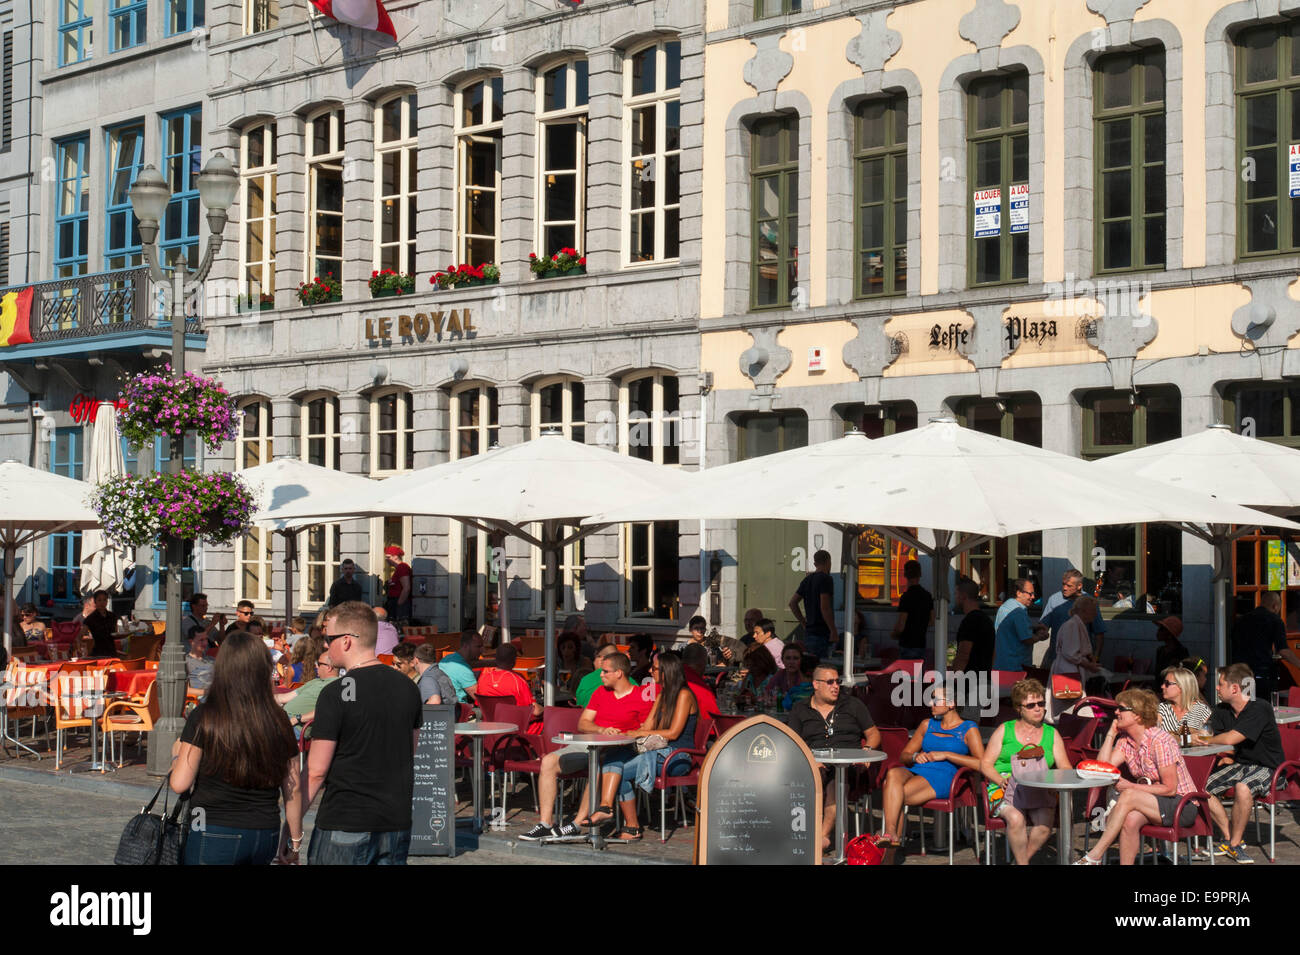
{"x": 938, "y": 748}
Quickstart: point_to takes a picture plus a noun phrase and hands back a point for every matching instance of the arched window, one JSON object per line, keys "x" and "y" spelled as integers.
{"x": 325, "y": 195}
{"x": 392, "y": 432}
{"x": 562, "y": 157}
{"x": 478, "y": 171}
{"x": 257, "y": 167}
{"x": 395, "y": 189}
{"x": 652, "y": 110}
{"x": 253, "y": 553}
{"x": 476, "y": 421}
{"x": 321, "y": 444}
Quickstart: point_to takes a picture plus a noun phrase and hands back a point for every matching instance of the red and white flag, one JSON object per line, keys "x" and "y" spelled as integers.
{"x": 366, "y": 14}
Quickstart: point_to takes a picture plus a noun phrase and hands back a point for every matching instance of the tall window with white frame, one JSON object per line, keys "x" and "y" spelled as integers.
{"x": 260, "y": 16}
{"x": 650, "y": 429}
{"x": 182, "y": 146}
{"x": 478, "y": 171}
{"x": 72, "y": 206}
{"x": 562, "y": 157}
{"x": 258, "y": 162}
{"x": 559, "y": 404}
{"x": 253, "y": 555}
{"x": 476, "y": 424}
{"x": 76, "y": 31}
{"x": 321, "y": 446}
{"x": 392, "y": 444}
{"x": 395, "y": 189}
{"x": 652, "y": 121}
{"x": 325, "y": 195}
{"x": 122, "y": 248}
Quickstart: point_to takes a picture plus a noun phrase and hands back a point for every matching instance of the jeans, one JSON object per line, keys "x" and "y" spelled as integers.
{"x": 220, "y": 845}
{"x": 817, "y": 645}
{"x": 336, "y": 847}
{"x": 644, "y": 769}
{"x": 911, "y": 653}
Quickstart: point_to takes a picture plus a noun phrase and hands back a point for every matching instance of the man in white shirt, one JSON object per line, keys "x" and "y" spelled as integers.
{"x": 765, "y": 633}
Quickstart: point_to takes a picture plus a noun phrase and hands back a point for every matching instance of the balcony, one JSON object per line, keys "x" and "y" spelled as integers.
{"x": 106, "y": 311}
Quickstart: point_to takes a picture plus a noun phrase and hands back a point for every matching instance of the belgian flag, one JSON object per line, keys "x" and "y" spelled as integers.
{"x": 16, "y": 318}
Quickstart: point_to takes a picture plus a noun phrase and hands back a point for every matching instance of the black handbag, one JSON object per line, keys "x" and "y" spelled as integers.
{"x": 150, "y": 839}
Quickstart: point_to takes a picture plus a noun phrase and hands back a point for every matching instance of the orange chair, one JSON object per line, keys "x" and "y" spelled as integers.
{"x": 151, "y": 664}
{"x": 125, "y": 716}
{"x": 532, "y": 646}
{"x": 386, "y": 659}
{"x": 135, "y": 664}
{"x": 79, "y": 691}
{"x": 159, "y": 627}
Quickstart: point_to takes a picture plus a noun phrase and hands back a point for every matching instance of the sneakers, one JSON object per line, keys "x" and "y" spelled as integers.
{"x": 568, "y": 832}
{"x": 1236, "y": 853}
{"x": 538, "y": 833}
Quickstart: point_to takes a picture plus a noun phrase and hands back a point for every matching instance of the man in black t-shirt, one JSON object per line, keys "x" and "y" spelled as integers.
{"x": 817, "y": 593}
{"x": 1249, "y": 726}
{"x": 346, "y": 587}
{"x": 363, "y": 749}
{"x": 832, "y": 720}
{"x": 915, "y": 614}
{"x": 976, "y": 637}
{"x": 1256, "y": 637}
{"x": 102, "y": 624}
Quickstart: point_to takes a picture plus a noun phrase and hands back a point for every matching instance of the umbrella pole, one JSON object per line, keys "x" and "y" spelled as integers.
{"x": 503, "y": 607}
{"x": 9, "y": 597}
{"x": 941, "y": 563}
{"x": 549, "y": 569}
{"x": 850, "y": 600}
{"x": 1223, "y": 557}
{"x": 290, "y": 555}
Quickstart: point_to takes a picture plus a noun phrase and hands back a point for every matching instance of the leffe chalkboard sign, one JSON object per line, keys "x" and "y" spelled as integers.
{"x": 433, "y": 805}
{"x": 760, "y": 799}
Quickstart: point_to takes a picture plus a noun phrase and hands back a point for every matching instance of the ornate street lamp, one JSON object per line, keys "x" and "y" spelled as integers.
{"x": 218, "y": 185}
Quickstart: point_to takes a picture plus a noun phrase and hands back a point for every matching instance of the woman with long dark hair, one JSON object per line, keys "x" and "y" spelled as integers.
{"x": 239, "y": 754}
{"x": 671, "y": 725}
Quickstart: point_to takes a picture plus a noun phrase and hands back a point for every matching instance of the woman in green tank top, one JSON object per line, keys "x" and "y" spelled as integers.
{"x": 1021, "y": 745}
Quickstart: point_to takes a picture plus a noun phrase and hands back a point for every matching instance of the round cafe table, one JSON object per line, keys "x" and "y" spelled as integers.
{"x": 1197, "y": 749}
{"x": 592, "y": 743}
{"x": 1064, "y": 782}
{"x": 476, "y": 732}
{"x": 1287, "y": 714}
{"x": 842, "y": 758}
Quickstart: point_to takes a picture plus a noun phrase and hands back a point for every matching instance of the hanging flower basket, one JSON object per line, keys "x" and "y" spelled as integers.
{"x": 321, "y": 290}
{"x": 565, "y": 262}
{"x": 387, "y": 282}
{"x": 156, "y": 403}
{"x": 466, "y": 276}
{"x": 138, "y": 510}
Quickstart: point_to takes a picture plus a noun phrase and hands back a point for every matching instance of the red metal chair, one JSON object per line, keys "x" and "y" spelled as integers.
{"x": 555, "y": 720}
{"x": 691, "y": 777}
{"x": 1202, "y": 825}
{"x": 893, "y": 739}
{"x": 961, "y": 795}
{"x": 1293, "y": 696}
{"x": 504, "y": 710}
{"x": 488, "y": 706}
{"x": 1078, "y": 732}
{"x": 1284, "y": 787}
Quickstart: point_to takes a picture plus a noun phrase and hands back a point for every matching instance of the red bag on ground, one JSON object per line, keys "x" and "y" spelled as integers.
{"x": 864, "y": 850}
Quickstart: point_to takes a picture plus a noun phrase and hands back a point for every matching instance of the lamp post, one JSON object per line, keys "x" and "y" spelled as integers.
{"x": 218, "y": 184}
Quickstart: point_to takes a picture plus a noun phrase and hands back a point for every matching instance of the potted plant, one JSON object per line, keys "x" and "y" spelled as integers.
{"x": 154, "y": 403}
{"x": 246, "y": 303}
{"x": 142, "y": 509}
{"x": 565, "y": 262}
{"x": 387, "y": 282}
{"x": 320, "y": 290}
{"x": 458, "y": 276}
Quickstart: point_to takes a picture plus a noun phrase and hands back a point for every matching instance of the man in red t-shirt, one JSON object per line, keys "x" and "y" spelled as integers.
{"x": 501, "y": 680}
{"x": 397, "y": 591}
{"x": 618, "y": 705}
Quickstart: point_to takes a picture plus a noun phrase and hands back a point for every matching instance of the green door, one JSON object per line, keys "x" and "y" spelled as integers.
{"x": 767, "y": 554}
{"x": 770, "y": 555}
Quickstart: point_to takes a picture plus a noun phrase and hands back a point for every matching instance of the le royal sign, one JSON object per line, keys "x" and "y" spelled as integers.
{"x": 458, "y": 323}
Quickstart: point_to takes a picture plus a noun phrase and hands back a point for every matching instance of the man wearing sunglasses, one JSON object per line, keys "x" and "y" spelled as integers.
{"x": 1014, "y": 649}
{"x": 363, "y": 748}
{"x": 832, "y": 720}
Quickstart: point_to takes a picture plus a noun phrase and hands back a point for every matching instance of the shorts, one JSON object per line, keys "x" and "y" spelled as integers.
{"x": 1256, "y": 777}
{"x": 1167, "y": 805}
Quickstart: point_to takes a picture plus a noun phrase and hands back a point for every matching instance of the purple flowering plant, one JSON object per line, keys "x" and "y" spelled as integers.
{"x": 157, "y": 404}
{"x": 137, "y": 509}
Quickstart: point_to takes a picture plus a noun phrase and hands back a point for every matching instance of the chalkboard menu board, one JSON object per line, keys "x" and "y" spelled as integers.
{"x": 433, "y": 806}
{"x": 760, "y": 798}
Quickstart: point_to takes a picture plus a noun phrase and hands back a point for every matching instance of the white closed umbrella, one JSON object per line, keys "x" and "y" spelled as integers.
{"x": 103, "y": 564}
{"x": 1217, "y": 461}
{"x": 964, "y": 485}
{"x": 550, "y": 480}
{"x": 287, "y": 482}
{"x": 32, "y": 504}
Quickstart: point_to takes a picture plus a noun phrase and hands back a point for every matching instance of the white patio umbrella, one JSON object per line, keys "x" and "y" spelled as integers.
{"x": 32, "y": 504}
{"x": 1217, "y": 461}
{"x": 103, "y": 565}
{"x": 289, "y": 481}
{"x": 551, "y": 481}
{"x": 964, "y": 485}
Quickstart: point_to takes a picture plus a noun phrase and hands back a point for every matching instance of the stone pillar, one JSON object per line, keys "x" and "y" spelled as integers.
{"x": 429, "y": 535}
{"x": 689, "y": 541}
{"x": 601, "y": 554}
{"x": 604, "y": 161}
{"x": 434, "y": 178}
{"x": 291, "y": 209}
{"x": 518, "y": 175}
